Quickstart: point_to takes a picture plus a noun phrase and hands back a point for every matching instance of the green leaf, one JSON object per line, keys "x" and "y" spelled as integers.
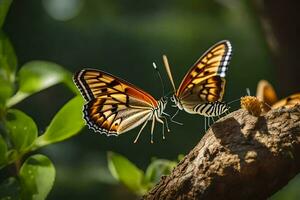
{"x": 37, "y": 176}
{"x": 3, "y": 151}
{"x": 10, "y": 189}
{"x": 180, "y": 157}
{"x": 8, "y": 65}
{"x": 157, "y": 169}
{"x": 6, "y": 90}
{"x": 8, "y": 59}
{"x": 4, "y": 7}
{"x": 38, "y": 75}
{"x": 35, "y": 76}
{"x": 126, "y": 172}
{"x": 21, "y": 128}
{"x": 11, "y": 156}
{"x": 66, "y": 123}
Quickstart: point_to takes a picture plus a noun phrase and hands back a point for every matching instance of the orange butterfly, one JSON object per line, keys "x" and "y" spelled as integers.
{"x": 266, "y": 93}
{"x": 201, "y": 90}
{"x": 115, "y": 106}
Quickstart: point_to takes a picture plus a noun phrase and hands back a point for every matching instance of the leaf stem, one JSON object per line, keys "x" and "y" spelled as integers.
{"x": 18, "y": 165}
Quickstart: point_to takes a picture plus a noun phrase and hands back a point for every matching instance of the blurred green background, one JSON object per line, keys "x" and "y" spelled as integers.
{"x": 124, "y": 38}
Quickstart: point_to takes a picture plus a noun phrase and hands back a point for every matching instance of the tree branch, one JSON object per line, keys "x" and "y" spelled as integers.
{"x": 240, "y": 157}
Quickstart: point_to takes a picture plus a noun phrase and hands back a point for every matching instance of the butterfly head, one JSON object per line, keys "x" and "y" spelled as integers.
{"x": 176, "y": 102}
{"x": 162, "y": 104}
{"x": 224, "y": 107}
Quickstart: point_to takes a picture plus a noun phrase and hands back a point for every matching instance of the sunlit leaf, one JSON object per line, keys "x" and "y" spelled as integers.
{"x": 37, "y": 176}
{"x": 4, "y": 7}
{"x": 35, "y": 76}
{"x": 10, "y": 189}
{"x": 157, "y": 169}
{"x": 66, "y": 123}
{"x": 21, "y": 128}
{"x": 126, "y": 172}
{"x": 3, "y": 151}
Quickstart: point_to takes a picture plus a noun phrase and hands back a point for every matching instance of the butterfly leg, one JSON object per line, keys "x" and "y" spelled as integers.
{"x": 172, "y": 120}
{"x": 213, "y": 119}
{"x": 175, "y": 114}
{"x": 166, "y": 114}
{"x": 152, "y": 127}
{"x": 176, "y": 122}
{"x": 166, "y": 121}
{"x": 137, "y": 137}
{"x": 163, "y": 124}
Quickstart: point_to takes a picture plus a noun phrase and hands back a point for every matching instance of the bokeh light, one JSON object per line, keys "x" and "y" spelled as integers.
{"x": 63, "y": 10}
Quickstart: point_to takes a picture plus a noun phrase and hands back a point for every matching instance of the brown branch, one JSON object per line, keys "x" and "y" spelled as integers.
{"x": 240, "y": 157}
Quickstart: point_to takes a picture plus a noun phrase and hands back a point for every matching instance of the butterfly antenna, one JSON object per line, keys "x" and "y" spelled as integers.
{"x": 233, "y": 101}
{"x": 248, "y": 91}
{"x": 167, "y": 66}
{"x": 169, "y": 93}
{"x": 160, "y": 78}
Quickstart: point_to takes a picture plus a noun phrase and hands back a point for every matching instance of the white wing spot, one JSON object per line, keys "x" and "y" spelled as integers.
{"x": 222, "y": 74}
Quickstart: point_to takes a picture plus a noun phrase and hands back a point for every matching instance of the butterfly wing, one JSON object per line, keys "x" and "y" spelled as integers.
{"x": 266, "y": 93}
{"x": 289, "y": 101}
{"x": 114, "y": 106}
{"x": 205, "y": 81}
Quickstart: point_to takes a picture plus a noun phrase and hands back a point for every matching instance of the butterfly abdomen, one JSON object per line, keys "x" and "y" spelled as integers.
{"x": 211, "y": 109}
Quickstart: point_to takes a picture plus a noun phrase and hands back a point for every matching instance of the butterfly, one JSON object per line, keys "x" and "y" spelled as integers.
{"x": 289, "y": 101}
{"x": 202, "y": 89}
{"x": 115, "y": 106}
{"x": 266, "y": 93}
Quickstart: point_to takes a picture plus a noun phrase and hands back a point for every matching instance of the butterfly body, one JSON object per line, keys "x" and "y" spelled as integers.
{"x": 207, "y": 109}
{"x": 115, "y": 106}
{"x": 201, "y": 90}
{"x": 211, "y": 109}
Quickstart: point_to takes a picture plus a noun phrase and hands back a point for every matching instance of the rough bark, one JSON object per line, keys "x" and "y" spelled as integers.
{"x": 240, "y": 157}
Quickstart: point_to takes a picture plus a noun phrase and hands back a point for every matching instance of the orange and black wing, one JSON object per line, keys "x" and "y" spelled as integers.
{"x": 266, "y": 93}
{"x": 289, "y": 101}
{"x": 205, "y": 81}
{"x": 114, "y": 106}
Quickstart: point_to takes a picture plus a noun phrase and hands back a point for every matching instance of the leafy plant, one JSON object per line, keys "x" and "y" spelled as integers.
{"x": 135, "y": 179}
{"x": 29, "y": 175}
